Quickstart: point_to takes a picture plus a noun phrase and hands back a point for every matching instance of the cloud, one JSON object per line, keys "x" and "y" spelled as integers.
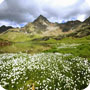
{"x": 81, "y": 17}
{"x": 9, "y": 23}
{"x": 24, "y": 11}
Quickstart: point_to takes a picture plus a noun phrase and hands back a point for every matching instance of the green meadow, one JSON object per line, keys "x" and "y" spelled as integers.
{"x": 49, "y": 65}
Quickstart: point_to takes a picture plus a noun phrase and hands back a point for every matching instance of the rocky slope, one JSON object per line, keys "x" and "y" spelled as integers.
{"x": 82, "y": 30}
{"x": 42, "y": 26}
{"x": 70, "y": 25}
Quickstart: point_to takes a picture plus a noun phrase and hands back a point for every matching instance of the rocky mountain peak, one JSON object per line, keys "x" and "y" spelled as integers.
{"x": 42, "y": 17}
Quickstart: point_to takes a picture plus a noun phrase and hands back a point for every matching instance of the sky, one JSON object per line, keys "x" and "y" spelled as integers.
{"x": 17, "y": 13}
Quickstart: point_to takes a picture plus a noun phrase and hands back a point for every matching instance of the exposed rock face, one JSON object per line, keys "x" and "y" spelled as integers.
{"x": 41, "y": 23}
{"x": 41, "y": 26}
{"x": 4, "y": 28}
{"x": 81, "y": 31}
{"x": 42, "y": 20}
{"x": 70, "y": 25}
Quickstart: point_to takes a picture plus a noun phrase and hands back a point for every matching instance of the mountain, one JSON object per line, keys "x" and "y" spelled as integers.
{"x": 70, "y": 25}
{"x": 4, "y": 28}
{"x": 42, "y": 26}
{"x": 42, "y": 29}
{"x": 40, "y": 20}
{"x": 87, "y": 21}
{"x": 81, "y": 31}
{"x": 39, "y": 25}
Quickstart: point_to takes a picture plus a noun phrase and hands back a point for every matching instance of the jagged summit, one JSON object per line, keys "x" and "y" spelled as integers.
{"x": 41, "y": 19}
{"x": 41, "y": 23}
{"x": 38, "y": 25}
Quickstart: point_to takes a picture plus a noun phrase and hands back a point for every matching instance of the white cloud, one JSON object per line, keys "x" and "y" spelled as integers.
{"x": 62, "y": 3}
{"x": 88, "y": 2}
{"x": 1, "y": 1}
{"x": 81, "y": 17}
{"x": 22, "y": 11}
{"x": 8, "y": 23}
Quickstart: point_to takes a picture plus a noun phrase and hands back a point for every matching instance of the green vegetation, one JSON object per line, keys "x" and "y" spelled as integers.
{"x": 49, "y": 55}
{"x": 25, "y": 47}
{"x": 64, "y": 64}
{"x": 48, "y": 71}
{"x": 15, "y": 36}
{"x": 52, "y": 45}
{"x": 76, "y": 46}
{"x": 65, "y": 60}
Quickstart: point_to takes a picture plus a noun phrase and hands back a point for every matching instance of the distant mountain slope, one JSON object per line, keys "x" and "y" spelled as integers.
{"x": 81, "y": 31}
{"x": 4, "y": 28}
{"x": 70, "y": 25}
{"x": 41, "y": 27}
{"x": 87, "y": 21}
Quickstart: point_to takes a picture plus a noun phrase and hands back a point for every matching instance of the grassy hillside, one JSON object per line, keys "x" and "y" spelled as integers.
{"x": 76, "y": 46}
{"x": 17, "y": 36}
{"x": 72, "y": 45}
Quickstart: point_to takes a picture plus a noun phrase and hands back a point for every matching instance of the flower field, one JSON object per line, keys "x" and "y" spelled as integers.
{"x": 47, "y": 71}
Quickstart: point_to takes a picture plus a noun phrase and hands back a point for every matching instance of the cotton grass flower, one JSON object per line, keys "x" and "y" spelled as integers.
{"x": 49, "y": 71}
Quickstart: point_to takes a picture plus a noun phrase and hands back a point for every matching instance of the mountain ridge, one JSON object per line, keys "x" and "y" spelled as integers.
{"x": 4, "y": 28}
{"x": 42, "y": 27}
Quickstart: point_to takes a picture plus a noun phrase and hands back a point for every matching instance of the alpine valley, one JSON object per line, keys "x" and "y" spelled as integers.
{"x": 45, "y": 56}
